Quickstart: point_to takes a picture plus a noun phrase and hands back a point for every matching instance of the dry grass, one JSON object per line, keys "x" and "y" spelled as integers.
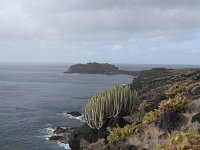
{"x": 151, "y": 135}
{"x": 147, "y": 137}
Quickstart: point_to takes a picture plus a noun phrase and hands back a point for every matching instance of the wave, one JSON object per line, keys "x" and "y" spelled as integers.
{"x": 80, "y": 118}
{"x": 48, "y": 132}
{"x": 66, "y": 146}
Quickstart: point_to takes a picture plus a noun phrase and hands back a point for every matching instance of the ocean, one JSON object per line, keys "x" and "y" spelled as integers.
{"x": 36, "y": 97}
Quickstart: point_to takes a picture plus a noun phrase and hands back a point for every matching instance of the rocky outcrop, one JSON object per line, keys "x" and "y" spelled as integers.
{"x": 98, "y": 68}
{"x": 170, "y": 121}
{"x": 74, "y": 113}
{"x": 85, "y": 135}
{"x": 62, "y": 134}
{"x": 196, "y": 118}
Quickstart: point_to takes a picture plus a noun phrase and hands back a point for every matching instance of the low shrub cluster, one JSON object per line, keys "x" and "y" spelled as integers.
{"x": 120, "y": 134}
{"x": 180, "y": 140}
{"x": 151, "y": 117}
{"x": 173, "y": 104}
{"x": 144, "y": 104}
{"x": 176, "y": 104}
{"x": 181, "y": 87}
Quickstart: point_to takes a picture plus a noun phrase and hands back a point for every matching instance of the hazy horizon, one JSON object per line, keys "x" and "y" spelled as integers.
{"x": 106, "y": 31}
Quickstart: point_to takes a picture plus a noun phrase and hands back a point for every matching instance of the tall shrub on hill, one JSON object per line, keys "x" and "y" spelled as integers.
{"x": 118, "y": 101}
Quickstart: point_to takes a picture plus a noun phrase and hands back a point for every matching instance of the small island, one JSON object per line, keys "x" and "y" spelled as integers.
{"x": 98, "y": 68}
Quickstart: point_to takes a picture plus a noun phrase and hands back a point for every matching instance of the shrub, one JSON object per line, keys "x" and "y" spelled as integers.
{"x": 110, "y": 103}
{"x": 180, "y": 140}
{"x": 143, "y": 105}
{"x": 120, "y": 134}
{"x": 182, "y": 87}
{"x": 151, "y": 117}
{"x": 176, "y": 104}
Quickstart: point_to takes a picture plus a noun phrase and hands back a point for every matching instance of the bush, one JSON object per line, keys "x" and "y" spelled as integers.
{"x": 110, "y": 103}
{"x": 151, "y": 117}
{"x": 120, "y": 134}
{"x": 143, "y": 105}
{"x": 176, "y": 104}
{"x": 179, "y": 88}
{"x": 180, "y": 140}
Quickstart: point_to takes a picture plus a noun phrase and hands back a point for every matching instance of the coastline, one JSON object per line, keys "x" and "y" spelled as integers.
{"x": 150, "y": 84}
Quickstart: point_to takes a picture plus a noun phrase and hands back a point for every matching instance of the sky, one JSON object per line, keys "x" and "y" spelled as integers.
{"x": 112, "y": 31}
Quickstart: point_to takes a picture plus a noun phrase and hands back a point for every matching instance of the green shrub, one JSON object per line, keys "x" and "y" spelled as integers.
{"x": 176, "y": 104}
{"x": 151, "y": 117}
{"x": 143, "y": 105}
{"x": 110, "y": 103}
{"x": 181, "y": 87}
{"x": 120, "y": 134}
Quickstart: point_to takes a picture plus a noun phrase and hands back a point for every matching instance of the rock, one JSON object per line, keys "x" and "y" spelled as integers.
{"x": 196, "y": 118}
{"x": 113, "y": 122}
{"x": 155, "y": 99}
{"x": 74, "y": 113}
{"x": 74, "y": 141}
{"x": 196, "y": 90}
{"x": 56, "y": 138}
{"x": 81, "y": 134}
{"x": 132, "y": 147}
{"x": 137, "y": 84}
{"x": 101, "y": 144}
{"x": 117, "y": 121}
{"x": 170, "y": 121}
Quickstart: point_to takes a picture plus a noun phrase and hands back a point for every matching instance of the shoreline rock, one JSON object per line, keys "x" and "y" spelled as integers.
{"x": 74, "y": 113}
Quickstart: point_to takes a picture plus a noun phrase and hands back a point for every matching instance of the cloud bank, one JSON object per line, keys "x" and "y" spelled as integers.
{"x": 131, "y": 31}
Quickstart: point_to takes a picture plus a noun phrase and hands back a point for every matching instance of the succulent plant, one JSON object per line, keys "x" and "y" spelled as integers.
{"x": 110, "y": 103}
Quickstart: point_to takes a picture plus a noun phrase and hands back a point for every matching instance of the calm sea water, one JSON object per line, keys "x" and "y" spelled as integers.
{"x": 34, "y": 98}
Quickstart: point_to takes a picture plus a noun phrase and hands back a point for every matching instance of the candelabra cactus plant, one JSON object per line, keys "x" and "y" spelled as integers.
{"x": 110, "y": 103}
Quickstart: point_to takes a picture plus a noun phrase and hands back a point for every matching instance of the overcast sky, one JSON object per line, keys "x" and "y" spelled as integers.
{"x": 113, "y": 31}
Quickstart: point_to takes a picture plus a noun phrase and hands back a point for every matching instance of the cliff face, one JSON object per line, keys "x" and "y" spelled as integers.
{"x": 97, "y": 68}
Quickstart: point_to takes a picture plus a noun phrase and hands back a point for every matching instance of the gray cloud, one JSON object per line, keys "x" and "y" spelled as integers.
{"x": 46, "y": 30}
{"x": 75, "y": 18}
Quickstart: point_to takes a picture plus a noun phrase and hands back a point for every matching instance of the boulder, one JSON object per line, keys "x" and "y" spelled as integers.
{"x": 60, "y": 130}
{"x": 56, "y": 138}
{"x": 112, "y": 122}
{"x": 196, "y": 118}
{"x": 170, "y": 121}
{"x": 74, "y": 113}
{"x": 84, "y": 133}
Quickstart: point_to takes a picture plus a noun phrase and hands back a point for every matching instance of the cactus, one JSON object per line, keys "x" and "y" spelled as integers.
{"x": 110, "y": 103}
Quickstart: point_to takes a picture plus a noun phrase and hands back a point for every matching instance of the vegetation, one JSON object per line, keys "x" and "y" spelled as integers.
{"x": 181, "y": 87}
{"x": 143, "y": 105}
{"x": 112, "y": 102}
{"x": 175, "y": 104}
{"x": 180, "y": 140}
{"x": 120, "y": 134}
{"x": 151, "y": 117}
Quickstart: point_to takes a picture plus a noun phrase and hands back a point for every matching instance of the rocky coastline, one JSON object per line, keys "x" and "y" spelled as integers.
{"x": 153, "y": 87}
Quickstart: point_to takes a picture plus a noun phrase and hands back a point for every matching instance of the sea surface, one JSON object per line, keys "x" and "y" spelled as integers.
{"x": 35, "y": 97}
